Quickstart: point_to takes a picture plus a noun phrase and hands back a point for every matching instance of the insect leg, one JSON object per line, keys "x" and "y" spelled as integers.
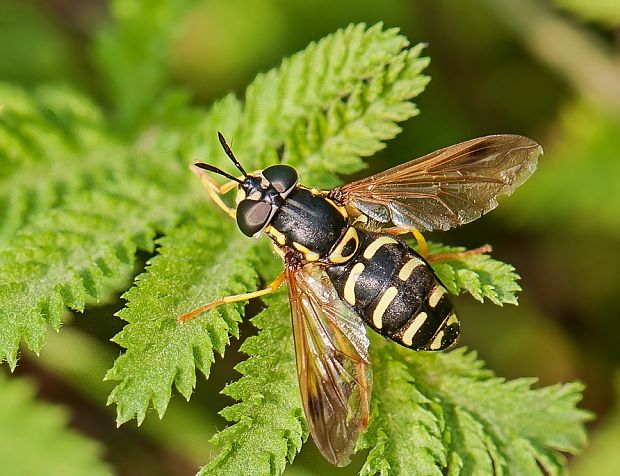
{"x": 459, "y": 255}
{"x": 273, "y": 286}
{"x": 434, "y": 258}
{"x": 422, "y": 245}
{"x": 364, "y": 394}
{"x": 214, "y": 190}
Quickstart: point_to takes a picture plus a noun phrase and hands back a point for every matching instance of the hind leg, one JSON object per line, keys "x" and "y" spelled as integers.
{"x": 438, "y": 257}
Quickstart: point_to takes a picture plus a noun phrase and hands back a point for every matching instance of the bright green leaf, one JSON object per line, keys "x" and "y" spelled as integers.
{"x": 479, "y": 275}
{"x": 197, "y": 263}
{"x": 269, "y": 426}
{"x": 486, "y": 425}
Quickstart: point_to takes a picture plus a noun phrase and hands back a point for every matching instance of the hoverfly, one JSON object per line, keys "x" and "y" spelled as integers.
{"x": 346, "y": 267}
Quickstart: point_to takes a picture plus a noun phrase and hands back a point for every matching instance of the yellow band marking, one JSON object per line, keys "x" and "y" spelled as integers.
{"x": 436, "y": 344}
{"x": 438, "y": 291}
{"x": 308, "y": 254}
{"x": 276, "y": 234}
{"x": 370, "y": 251}
{"x": 349, "y": 286}
{"x": 341, "y": 210}
{"x": 408, "y": 268}
{"x": 413, "y": 328}
{"x": 336, "y": 255}
{"x": 387, "y": 298}
{"x": 452, "y": 319}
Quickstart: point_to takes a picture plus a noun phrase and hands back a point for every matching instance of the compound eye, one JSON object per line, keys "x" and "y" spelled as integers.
{"x": 282, "y": 177}
{"x": 252, "y": 216}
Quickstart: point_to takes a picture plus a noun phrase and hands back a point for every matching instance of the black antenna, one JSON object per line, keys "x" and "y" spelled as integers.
{"x": 211, "y": 168}
{"x": 230, "y": 154}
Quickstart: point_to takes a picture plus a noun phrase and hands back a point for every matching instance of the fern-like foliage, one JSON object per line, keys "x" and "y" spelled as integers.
{"x": 269, "y": 425}
{"x": 179, "y": 279}
{"x": 52, "y": 142}
{"x": 466, "y": 420}
{"x": 28, "y": 428}
{"x": 326, "y": 107}
{"x": 480, "y": 275}
{"x": 64, "y": 257}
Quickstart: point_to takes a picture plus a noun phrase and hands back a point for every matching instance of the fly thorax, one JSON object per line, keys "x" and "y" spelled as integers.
{"x": 309, "y": 223}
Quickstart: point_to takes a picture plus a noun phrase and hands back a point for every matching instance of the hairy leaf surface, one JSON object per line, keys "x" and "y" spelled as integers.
{"x": 487, "y": 425}
{"x": 269, "y": 427}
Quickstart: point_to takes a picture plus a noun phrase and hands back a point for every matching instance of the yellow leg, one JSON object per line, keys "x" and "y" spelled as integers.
{"x": 423, "y": 247}
{"x": 364, "y": 395}
{"x": 422, "y": 244}
{"x": 460, "y": 255}
{"x": 273, "y": 286}
{"x": 214, "y": 190}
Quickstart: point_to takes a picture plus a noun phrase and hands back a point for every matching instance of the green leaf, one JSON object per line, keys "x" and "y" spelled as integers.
{"x": 310, "y": 80}
{"x": 34, "y": 438}
{"x": 65, "y": 257}
{"x": 52, "y": 142}
{"x": 405, "y": 433}
{"x": 479, "y": 275}
{"x": 333, "y": 142}
{"x": 198, "y": 262}
{"x": 487, "y": 425}
{"x": 269, "y": 426}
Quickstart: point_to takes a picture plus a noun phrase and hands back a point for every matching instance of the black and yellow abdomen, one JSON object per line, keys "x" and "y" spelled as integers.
{"x": 396, "y": 293}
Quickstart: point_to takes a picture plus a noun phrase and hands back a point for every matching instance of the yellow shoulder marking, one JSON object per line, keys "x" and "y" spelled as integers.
{"x": 276, "y": 234}
{"x": 308, "y": 254}
{"x": 341, "y": 210}
{"x": 336, "y": 256}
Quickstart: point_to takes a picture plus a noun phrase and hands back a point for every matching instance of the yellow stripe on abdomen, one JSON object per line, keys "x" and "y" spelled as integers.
{"x": 413, "y": 328}
{"x": 408, "y": 268}
{"x": 349, "y": 286}
{"x": 435, "y": 296}
{"x": 387, "y": 298}
{"x": 373, "y": 247}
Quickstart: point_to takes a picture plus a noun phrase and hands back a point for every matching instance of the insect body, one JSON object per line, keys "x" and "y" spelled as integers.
{"x": 386, "y": 283}
{"x": 396, "y": 293}
{"x": 345, "y": 266}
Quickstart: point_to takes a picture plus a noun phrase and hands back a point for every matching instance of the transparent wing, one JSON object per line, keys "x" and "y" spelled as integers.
{"x": 446, "y": 188}
{"x": 332, "y": 363}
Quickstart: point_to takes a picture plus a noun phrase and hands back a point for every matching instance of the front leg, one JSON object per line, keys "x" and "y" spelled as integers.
{"x": 215, "y": 190}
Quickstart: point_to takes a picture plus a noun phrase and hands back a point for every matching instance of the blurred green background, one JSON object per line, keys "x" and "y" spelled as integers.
{"x": 549, "y": 70}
